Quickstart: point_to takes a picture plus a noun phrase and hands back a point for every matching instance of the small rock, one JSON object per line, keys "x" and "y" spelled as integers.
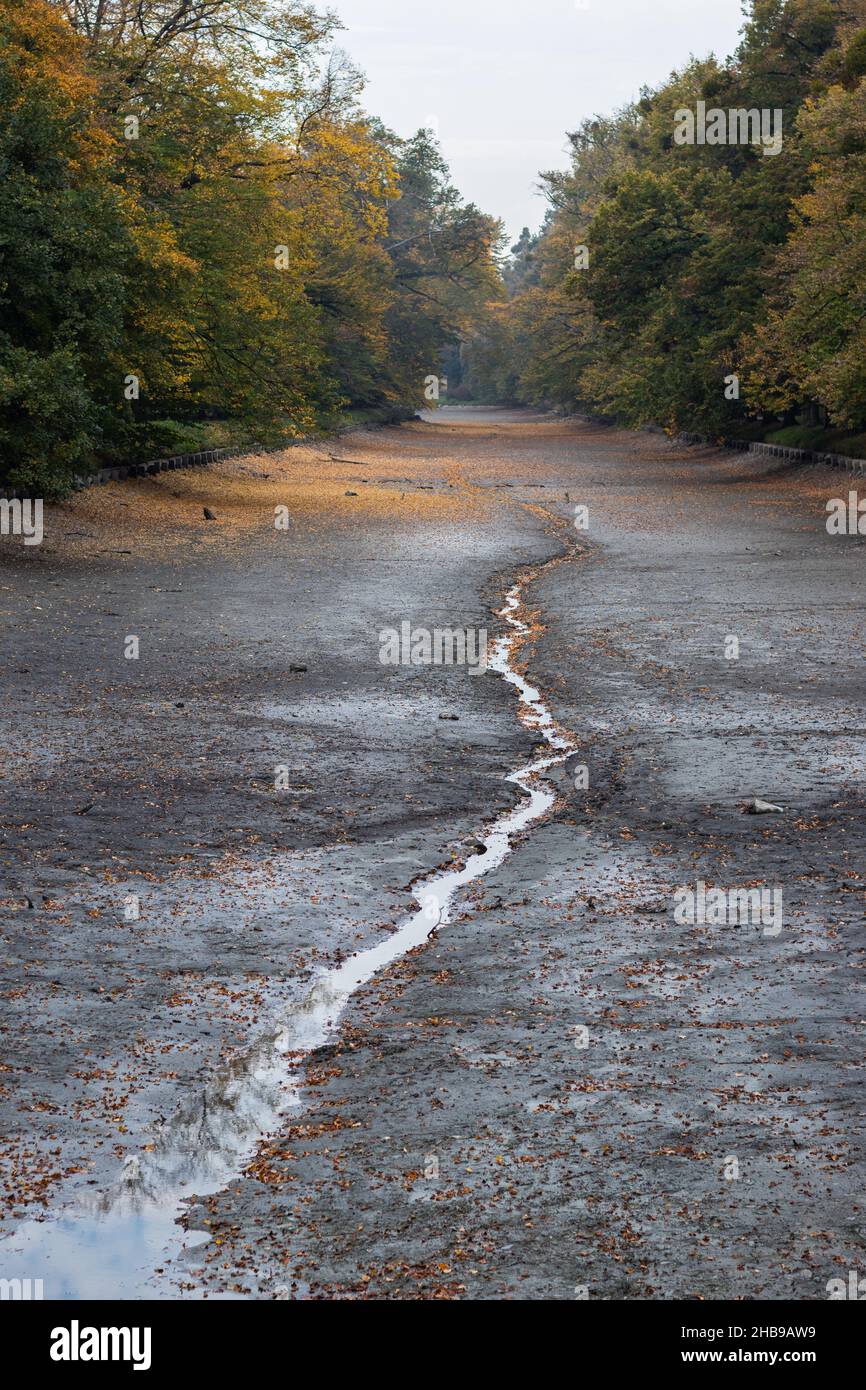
{"x": 208, "y": 514}
{"x": 765, "y": 808}
{"x": 453, "y": 718}
{"x": 351, "y": 494}
{"x": 298, "y": 670}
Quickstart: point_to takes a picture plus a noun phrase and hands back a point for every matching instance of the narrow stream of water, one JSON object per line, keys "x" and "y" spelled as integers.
{"x": 117, "y": 1245}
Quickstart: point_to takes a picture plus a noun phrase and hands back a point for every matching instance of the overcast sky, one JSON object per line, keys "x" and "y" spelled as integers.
{"x": 505, "y": 79}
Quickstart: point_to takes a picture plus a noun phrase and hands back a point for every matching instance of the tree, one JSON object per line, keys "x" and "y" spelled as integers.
{"x": 809, "y": 346}
{"x": 199, "y": 221}
{"x": 64, "y": 247}
{"x": 704, "y": 263}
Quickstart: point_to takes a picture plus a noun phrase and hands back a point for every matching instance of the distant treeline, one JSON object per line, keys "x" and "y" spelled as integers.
{"x": 203, "y": 236}
{"x": 719, "y": 285}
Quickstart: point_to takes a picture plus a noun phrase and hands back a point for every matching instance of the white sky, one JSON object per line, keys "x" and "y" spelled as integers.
{"x": 505, "y": 79}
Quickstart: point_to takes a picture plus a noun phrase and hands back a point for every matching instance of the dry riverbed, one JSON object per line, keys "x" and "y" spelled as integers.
{"x": 564, "y": 1092}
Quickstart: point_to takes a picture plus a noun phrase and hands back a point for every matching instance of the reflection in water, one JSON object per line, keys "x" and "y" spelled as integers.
{"x": 117, "y": 1245}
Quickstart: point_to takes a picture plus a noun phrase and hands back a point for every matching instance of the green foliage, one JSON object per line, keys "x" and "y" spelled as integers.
{"x": 705, "y": 261}
{"x": 821, "y": 439}
{"x": 443, "y": 263}
{"x": 808, "y": 346}
{"x": 855, "y": 57}
{"x": 199, "y": 221}
{"x": 63, "y": 245}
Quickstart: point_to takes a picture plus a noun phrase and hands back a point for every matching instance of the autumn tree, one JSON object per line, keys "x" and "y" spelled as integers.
{"x": 65, "y": 248}
{"x": 201, "y": 223}
{"x": 716, "y": 281}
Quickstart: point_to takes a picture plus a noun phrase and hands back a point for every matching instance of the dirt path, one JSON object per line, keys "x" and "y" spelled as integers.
{"x": 565, "y": 1090}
